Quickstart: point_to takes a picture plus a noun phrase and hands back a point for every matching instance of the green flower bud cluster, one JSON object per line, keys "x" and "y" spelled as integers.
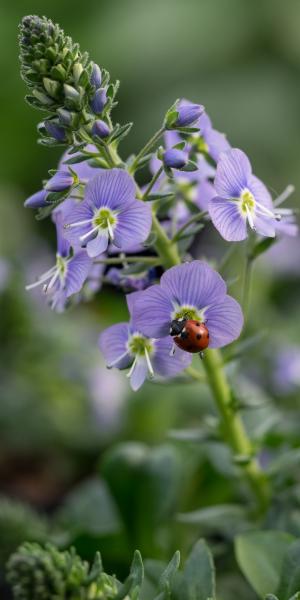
{"x": 37, "y": 573}
{"x": 59, "y": 77}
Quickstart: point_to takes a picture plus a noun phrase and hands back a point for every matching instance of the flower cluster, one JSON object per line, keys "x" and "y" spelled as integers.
{"x": 111, "y": 230}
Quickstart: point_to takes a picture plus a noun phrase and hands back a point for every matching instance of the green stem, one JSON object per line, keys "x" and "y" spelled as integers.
{"x": 247, "y": 285}
{"x": 167, "y": 251}
{"x": 233, "y": 427}
{"x": 148, "y": 260}
{"x": 146, "y": 149}
{"x": 152, "y": 182}
{"x": 192, "y": 220}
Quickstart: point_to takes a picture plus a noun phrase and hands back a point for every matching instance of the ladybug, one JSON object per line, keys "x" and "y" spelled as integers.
{"x": 190, "y": 335}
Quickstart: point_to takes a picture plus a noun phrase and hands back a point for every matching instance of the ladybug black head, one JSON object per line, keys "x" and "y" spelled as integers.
{"x": 177, "y": 325}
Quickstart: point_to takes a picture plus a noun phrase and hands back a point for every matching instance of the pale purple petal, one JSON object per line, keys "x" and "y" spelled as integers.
{"x": 265, "y": 226}
{"x": 133, "y": 224}
{"x": 205, "y": 193}
{"x": 63, "y": 245}
{"x": 151, "y": 311}
{"x": 260, "y": 192}
{"x": 113, "y": 188}
{"x": 139, "y": 374}
{"x": 113, "y": 345}
{"x": 81, "y": 212}
{"x": 224, "y": 322}
{"x": 166, "y": 365}
{"x": 82, "y": 169}
{"x": 194, "y": 284}
{"x": 233, "y": 173}
{"x": 287, "y": 226}
{"x": 78, "y": 269}
{"x": 217, "y": 143}
{"x": 227, "y": 219}
{"x": 98, "y": 245}
{"x": 37, "y": 200}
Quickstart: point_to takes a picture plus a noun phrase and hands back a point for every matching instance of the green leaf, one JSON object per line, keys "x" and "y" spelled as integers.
{"x": 260, "y": 557}
{"x": 120, "y": 132}
{"x": 134, "y": 580}
{"x": 290, "y": 574}
{"x": 198, "y": 576}
{"x": 76, "y": 159}
{"x": 169, "y": 572}
{"x": 160, "y": 197}
{"x": 190, "y": 166}
{"x": 224, "y": 517}
{"x": 262, "y": 247}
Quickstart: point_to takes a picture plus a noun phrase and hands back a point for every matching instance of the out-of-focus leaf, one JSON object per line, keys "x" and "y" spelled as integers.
{"x": 227, "y": 518}
{"x": 260, "y": 557}
{"x": 197, "y": 580}
{"x": 290, "y": 574}
{"x": 285, "y": 463}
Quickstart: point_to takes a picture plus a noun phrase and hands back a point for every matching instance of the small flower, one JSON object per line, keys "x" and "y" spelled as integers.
{"x": 242, "y": 199}
{"x": 193, "y": 291}
{"x": 37, "y": 200}
{"x": 62, "y": 180}
{"x": 57, "y": 132}
{"x": 124, "y": 346}
{"x": 98, "y": 101}
{"x": 132, "y": 282}
{"x": 68, "y": 274}
{"x": 96, "y": 77}
{"x": 175, "y": 158}
{"x": 109, "y": 212}
{"x": 100, "y": 129}
{"x": 188, "y": 113}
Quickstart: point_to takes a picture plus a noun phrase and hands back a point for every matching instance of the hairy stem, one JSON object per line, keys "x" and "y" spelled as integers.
{"x": 167, "y": 251}
{"x": 148, "y": 146}
{"x": 147, "y": 260}
{"x": 152, "y": 182}
{"x": 233, "y": 427}
{"x": 247, "y": 285}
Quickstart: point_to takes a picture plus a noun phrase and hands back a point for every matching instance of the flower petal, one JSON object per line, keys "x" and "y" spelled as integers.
{"x": 113, "y": 188}
{"x": 151, "y": 312}
{"x": 133, "y": 224}
{"x": 76, "y": 214}
{"x": 166, "y": 365}
{"x": 113, "y": 344}
{"x": 224, "y": 322}
{"x": 139, "y": 374}
{"x": 265, "y": 226}
{"x": 205, "y": 193}
{"x": 98, "y": 245}
{"x": 260, "y": 192}
{"x": 227, "y": 219}
{"x": 217, "y": 143}
{"x": 193, "y": 283}
{"x": 233, "y": 173}
{"x": 77, "y": 271}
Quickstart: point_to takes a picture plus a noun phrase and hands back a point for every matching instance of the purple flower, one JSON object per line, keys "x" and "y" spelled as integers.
{"x": 98, "y": 101}
{"x": 96, "y": 77}
{"x": 131, "y": 282}
{"x": 68, "y": 274}
{"x": 242, "y": 199}
{"x": 204, "y": 192}
{"x": 37, "y": 200}
{"x": 53, "y": 129}
{"x": 188, "y": 113}
{"x": 109, "y": 212}
{"x": 124, "y": 346}
{"x": 287, "y": 369}
{"x": 194, "y": 291}
{"x": 175, "y": 158}
{"x": 82, "y": 169}
{"x": 214, "y": 141}
{"x": 100, "y": 129}
{"x": 62, "y": 180}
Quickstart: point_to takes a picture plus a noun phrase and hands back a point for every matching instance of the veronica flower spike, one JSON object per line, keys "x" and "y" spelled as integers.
{"x": 69, "y": 273}
{"x": 108, "y": 213}
{"x": 241, "y": 200}
{"x": 124, "y": 346}
{"x": 191, "y": 291}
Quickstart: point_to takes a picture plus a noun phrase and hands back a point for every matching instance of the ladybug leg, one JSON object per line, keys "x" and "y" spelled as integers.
{"x": 201, "y": 354}
{"x": 172, "y": 351}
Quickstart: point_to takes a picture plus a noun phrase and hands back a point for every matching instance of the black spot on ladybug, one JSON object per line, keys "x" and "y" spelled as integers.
{"x": 197, "y": 324}
{"x": 207, "y": 335}
{"x": 190, "y": 347}
{"x": 184, "y": 335}
{"x": 198, "y": 336}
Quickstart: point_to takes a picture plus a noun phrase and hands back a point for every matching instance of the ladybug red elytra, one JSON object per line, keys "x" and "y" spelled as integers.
{"x": 189, "y": 335}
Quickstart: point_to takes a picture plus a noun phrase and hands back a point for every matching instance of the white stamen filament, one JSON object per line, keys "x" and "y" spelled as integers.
{"x": 77, "y": 224}
{"x": 86, "y": 235}
{"x": 172, "y": 351}
{"x": 41, "y": 279}
{"x": 264, "y": 210}
{"x": 149, "y": 365}
{"x": 132, "y": 368}
{"x": 285, "y": 194}
{"x": 249, "y": 216}
{"x": 110, "y": 230}
{"x": 50, "y": 285}
{"x": 114, "y": 362}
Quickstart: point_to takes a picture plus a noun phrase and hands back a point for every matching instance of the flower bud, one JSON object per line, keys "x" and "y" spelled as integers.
{"x": 62, "y": 180}
{"x": 57, "y": 132}
{"x": 100, "y": 129}
{"x": 188, "y": 113}
{"x": 98, "y": 101}
{"x": 37, "y": 200}
{"x": 174, "y": 158}
{"x": 96, "y": 76}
